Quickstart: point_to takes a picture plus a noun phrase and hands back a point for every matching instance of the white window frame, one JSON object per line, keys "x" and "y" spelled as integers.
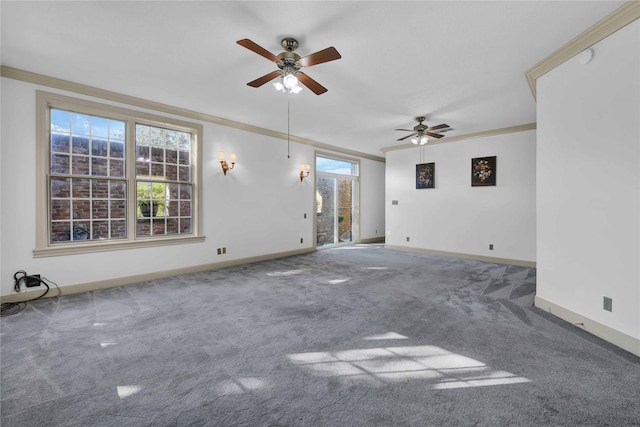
{"x": 44, "y": 248}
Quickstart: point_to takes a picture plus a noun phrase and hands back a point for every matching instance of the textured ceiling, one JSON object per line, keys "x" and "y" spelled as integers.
{"x": 457, "y": 62}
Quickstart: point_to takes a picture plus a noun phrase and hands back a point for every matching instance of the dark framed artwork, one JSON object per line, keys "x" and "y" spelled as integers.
{"x": 483, "y": 171}
{"x": 426, "y": 175}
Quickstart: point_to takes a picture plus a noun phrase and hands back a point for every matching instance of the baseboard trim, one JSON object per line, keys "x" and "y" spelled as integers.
{"x": 372, "y": 240}
{"x": 615, "y": 337}
{"x": 138, "y": 278}
{"x": 496, "y": 260}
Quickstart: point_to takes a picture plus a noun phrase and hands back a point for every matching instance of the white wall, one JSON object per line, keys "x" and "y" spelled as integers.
{"x": 372, "y": 178}
{"x": 589, "y": 184}
{"x": 455, "y": 217}
{"x": 257, "y": 209}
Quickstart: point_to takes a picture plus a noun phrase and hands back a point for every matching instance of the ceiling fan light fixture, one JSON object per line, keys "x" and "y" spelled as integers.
{"x": 296, "y": 89}
{"x": 414, "y": 140}
{"x": 279, "y": 86}
{"x": 290, "y": 81}
{"x": 423, "y": 140}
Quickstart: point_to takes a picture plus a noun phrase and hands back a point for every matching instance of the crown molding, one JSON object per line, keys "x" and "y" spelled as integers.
{"x": 621, "y": 17}
{"x": 66, "y": 85}
{"x": 493, "y": 132}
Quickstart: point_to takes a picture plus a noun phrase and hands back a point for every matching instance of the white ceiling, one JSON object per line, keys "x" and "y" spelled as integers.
{"x": 457, "y": 62}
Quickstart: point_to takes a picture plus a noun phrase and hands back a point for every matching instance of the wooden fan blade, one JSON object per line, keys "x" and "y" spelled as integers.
{"x": 315, "y": 87}
{"x": 434, "y": 135}
{"x": 442, "y": 126}
{"x": 406, "y": 130}
{"x": 325, "y": 55}
{"x": 259, "y": 50}
{"x": 405, "y": 137}
{"x": 264, "y": 79}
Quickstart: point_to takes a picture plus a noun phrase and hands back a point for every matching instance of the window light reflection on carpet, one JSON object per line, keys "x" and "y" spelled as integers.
{"x": 435, "y": 366}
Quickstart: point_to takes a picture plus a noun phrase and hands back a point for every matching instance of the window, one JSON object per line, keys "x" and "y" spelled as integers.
{"x": 111, "y": 178}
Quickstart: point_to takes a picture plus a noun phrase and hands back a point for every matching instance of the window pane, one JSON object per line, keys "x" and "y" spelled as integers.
{"x": 60, "y": 121}
{"x": 163, "y": 158}
{"x": 97, "y": 147}
{"x": 342, "y": 167}
{"x": 116, "y": 149}
{"x": 80, "y": 124}
{"x": 60, "y": 142}
{"x": 116, "y": 129}
{"x": 80, "y": 145}
{"x": 60, "y": 164}
{"x": 99, "y": 127}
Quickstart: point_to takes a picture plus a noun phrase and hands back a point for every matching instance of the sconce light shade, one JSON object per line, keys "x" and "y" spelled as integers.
{"x": 223, "y": 162}
{"x": 304, "y": 168}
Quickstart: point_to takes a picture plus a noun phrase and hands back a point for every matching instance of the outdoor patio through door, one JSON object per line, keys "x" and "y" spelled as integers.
{"x": 336, "y": 201}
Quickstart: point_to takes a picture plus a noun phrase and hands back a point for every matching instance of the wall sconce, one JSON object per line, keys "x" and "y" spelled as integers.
{"x": 224, "y": 164}
{"x": 304, "y": 167}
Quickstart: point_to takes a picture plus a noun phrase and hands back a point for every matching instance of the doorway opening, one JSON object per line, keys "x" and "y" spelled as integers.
{"x": 337, "y": 189}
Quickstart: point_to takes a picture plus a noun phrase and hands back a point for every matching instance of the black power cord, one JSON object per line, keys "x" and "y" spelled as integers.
{"x": 11, "y": 308}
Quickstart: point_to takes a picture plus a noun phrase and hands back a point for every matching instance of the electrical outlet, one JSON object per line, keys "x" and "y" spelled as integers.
{"x": 301, "y": 240}
{"x": 491, "y": 246}
{"x": 219, "y": 251}
{"x": 224, "y": 250}
{"x": 608, "y": 304}
{"x": 407, "y": 238}
{"x": 305, "y": 215}
{"x": 394, "y": 202}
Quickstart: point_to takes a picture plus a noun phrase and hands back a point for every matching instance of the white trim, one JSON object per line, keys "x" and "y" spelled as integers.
{"x": 139, "y": 278}
{"x": 496, "y": 260}
{"x": 620, "y": 339}
{"x": 41, "y": 79}
{"x": 621, "y": 17}
{"x": 485, "y": 133}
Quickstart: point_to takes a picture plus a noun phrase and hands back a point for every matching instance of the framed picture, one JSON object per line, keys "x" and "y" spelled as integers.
{"x": 483, "y": 171}
{"x": 426, "y": 175}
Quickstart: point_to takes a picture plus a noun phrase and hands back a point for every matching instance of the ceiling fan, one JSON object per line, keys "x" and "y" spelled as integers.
{"x": 290, "y": 64}
{"x": 421, "y": 132}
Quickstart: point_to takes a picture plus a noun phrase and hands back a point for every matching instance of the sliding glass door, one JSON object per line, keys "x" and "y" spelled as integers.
{"x": 336, "y": 201}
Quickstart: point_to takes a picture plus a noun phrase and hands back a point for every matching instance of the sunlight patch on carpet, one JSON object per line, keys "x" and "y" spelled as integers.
{"x": 387, "y": 336}
{"x": 125, "y": 391}
{"x": 336, "y": 281}
{"x": 435, "y": 366}
{"x": 106, "y": 344}
{"x": 239, "y": 386}
{"x": 284, "y": 273}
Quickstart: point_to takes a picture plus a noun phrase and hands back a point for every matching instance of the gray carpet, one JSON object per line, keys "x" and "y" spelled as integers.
{"x": 352, "y": 336}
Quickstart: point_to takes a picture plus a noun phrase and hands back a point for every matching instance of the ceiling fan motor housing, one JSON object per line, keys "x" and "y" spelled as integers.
{"x": 289, "y": 44}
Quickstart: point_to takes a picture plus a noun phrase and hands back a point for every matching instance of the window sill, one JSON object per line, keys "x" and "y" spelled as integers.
{"x": 75, "y": 248}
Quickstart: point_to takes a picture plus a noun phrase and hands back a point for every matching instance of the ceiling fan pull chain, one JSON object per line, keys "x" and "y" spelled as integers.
{"x": 288, "y": 125}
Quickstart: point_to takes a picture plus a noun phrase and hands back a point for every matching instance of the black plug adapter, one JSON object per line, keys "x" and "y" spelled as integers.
{"x": 33, "y": 281}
